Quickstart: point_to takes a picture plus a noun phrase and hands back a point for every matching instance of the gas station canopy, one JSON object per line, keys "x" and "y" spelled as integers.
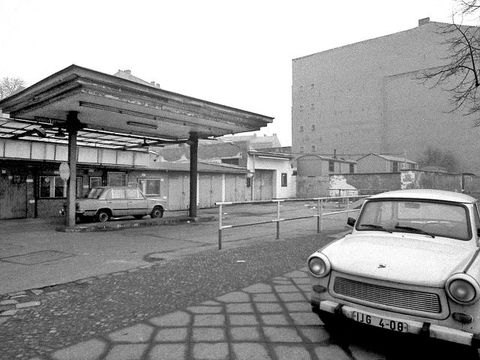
{"x": 103, "y": 110}
{"x": 117, "y": 113}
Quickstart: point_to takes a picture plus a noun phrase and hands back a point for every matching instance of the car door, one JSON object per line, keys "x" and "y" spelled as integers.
{"x": 136, "y": 202}
{"x": 118, "y": 202}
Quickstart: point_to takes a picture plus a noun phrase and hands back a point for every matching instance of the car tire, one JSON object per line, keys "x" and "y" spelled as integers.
{"x": 103, "y": 215}
{"x": 157, "y": 212}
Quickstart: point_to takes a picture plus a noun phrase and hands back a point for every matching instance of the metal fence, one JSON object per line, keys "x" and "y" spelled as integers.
{"x": 323, "y": 206}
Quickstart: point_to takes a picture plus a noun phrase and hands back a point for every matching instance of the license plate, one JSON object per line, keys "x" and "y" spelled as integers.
{"x": 388, "y": 324}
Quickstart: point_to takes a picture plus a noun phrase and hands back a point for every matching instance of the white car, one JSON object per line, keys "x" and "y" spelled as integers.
{"x": 105, "y": 202}
{"x": 410, "y": 265}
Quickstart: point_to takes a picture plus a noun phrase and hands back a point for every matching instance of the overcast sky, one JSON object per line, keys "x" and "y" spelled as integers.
{"x": 236, "y": 53}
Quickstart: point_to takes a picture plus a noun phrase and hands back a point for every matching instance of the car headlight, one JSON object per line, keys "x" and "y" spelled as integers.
{"x": 462, "y": 289}
{"x": 319, "y": 265}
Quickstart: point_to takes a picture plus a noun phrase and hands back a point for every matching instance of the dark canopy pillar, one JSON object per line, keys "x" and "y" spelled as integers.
{"x": 193, "y": 142}
{"x": 72, "y": 125}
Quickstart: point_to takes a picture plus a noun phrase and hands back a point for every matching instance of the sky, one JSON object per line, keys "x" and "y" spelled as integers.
{"x": 235, "y": 53}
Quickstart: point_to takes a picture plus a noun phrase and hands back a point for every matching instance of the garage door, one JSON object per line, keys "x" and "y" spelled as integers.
{"x": 263, "y": 181}
{"x": 13, "y": 197}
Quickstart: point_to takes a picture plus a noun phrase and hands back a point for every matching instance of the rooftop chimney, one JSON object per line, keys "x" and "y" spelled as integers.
{"x": 423, "y": 21}
{"x": 129, "y": 72}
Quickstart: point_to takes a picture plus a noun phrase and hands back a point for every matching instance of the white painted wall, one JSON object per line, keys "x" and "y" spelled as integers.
{"x": 279, "y": 165}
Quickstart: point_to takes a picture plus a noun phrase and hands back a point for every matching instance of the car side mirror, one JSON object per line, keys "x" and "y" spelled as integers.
{"x": 351, "y": 221}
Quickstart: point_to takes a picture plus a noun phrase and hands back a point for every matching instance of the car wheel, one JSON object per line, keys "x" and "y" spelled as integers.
{"x": 103, "y": 216}
{"x": 157, "y": 212}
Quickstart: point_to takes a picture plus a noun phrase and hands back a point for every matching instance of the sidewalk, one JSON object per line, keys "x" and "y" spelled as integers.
{"x": 36, "y": 255}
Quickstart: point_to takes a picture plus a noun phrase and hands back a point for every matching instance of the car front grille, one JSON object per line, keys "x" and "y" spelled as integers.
{"x": 388, "y": 296}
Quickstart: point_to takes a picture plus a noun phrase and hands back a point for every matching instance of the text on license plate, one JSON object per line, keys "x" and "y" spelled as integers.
{"x": 380, "y": 322}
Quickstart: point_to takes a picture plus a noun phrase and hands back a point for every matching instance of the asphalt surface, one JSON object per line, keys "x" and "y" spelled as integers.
{"x": 117, "y": 304}
{"x": 75, "y": 311}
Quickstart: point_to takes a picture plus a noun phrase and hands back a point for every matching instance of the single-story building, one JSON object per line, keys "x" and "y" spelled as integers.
{"x": 378, "y": 163}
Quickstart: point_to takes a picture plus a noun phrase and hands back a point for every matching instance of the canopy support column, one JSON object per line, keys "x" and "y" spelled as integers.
{"x": 193, "y": 142}
{"x": 72, "y": 125}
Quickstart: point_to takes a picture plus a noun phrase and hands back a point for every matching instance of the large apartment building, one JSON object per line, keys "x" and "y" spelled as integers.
{"x": 366, "y": 98}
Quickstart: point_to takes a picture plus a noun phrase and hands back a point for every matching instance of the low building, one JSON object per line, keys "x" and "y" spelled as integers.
{"x": 269, "y": 173}
{"x": 313, "y": 173}
{"x": 378, "y": 163}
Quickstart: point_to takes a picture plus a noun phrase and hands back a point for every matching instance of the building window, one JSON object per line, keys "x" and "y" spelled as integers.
{"x": 95, "y": 181}
{"x": 249, "y": 182}
{"x": 352, "y": 168}
{"x": 284, "y": 179}
{"x": 79, "y": 189}
{"x": 331, "y": 166}
{"x": 314, "y": 148}
{"x": 116, "y": 179}
{"x": 302, "y": 149}
{"x": 150, "y": 186}
{"x": 395, "y": 166}
{"x": 52, "y": 187}
{"x": 313, "y": 127}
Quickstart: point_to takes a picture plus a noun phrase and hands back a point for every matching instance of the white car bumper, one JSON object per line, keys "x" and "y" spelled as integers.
{"x": 414, "y": 327}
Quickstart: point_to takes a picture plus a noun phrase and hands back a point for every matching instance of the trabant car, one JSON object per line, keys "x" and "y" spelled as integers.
{"x": 410, "y": 265}
{"x": 105, "y": 202}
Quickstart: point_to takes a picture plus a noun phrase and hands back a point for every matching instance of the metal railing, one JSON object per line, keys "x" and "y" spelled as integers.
{"x": 341, "y": 202}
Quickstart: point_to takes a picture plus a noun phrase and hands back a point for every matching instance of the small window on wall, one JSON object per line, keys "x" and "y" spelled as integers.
{"x": 150, "y": 186}
{"x": 284, "y": 179}
{"x": 352, "y": 168}
{"x": 95, "y": 181}
{"x": 331, "y": 166}
{"x": 79, "y": 190}
{"x": 249, "y": 182}
{"x": 116, "y": 179}
{"x": 52, "y": 187}
{"x": 395, "y": 166}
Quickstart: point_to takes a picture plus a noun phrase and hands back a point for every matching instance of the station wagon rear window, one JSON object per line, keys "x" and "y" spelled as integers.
{"x": 416, "y": 216}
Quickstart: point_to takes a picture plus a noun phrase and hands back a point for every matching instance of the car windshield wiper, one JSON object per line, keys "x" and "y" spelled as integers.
{"x": 375, "y": 226}
{"x": 409, "y": 228}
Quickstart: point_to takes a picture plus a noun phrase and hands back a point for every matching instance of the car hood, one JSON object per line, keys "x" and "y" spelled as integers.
{"x": 399, "y": 257}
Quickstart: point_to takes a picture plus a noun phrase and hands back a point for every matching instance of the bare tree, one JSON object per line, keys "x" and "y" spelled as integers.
{"x": 461, "y": 73}
{"x": 439, "y": 158}
{"x": 9, "y": 86}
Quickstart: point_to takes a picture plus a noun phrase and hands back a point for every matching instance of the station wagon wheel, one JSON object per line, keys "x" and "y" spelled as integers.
{"x": 103, "y": 215}
{"x": 156, "y": 212}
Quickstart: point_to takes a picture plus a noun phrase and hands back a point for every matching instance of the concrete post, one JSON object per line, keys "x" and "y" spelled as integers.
{"x": 72, "y": 127}
{"x": 193, "y": 142}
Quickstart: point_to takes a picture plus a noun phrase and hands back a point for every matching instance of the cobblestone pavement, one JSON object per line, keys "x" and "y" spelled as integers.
{"x": 262, "y": 321}
{"x": 268, "y": 320}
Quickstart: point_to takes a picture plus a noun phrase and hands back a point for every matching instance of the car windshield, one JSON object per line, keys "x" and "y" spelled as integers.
{"x": 415, "y": 216}
{"x": 95, "y": 193}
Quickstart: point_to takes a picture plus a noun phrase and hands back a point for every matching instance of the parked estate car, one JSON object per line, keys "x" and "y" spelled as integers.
{"x": 410, "y": 265}
{"x": 104, "y": 202}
